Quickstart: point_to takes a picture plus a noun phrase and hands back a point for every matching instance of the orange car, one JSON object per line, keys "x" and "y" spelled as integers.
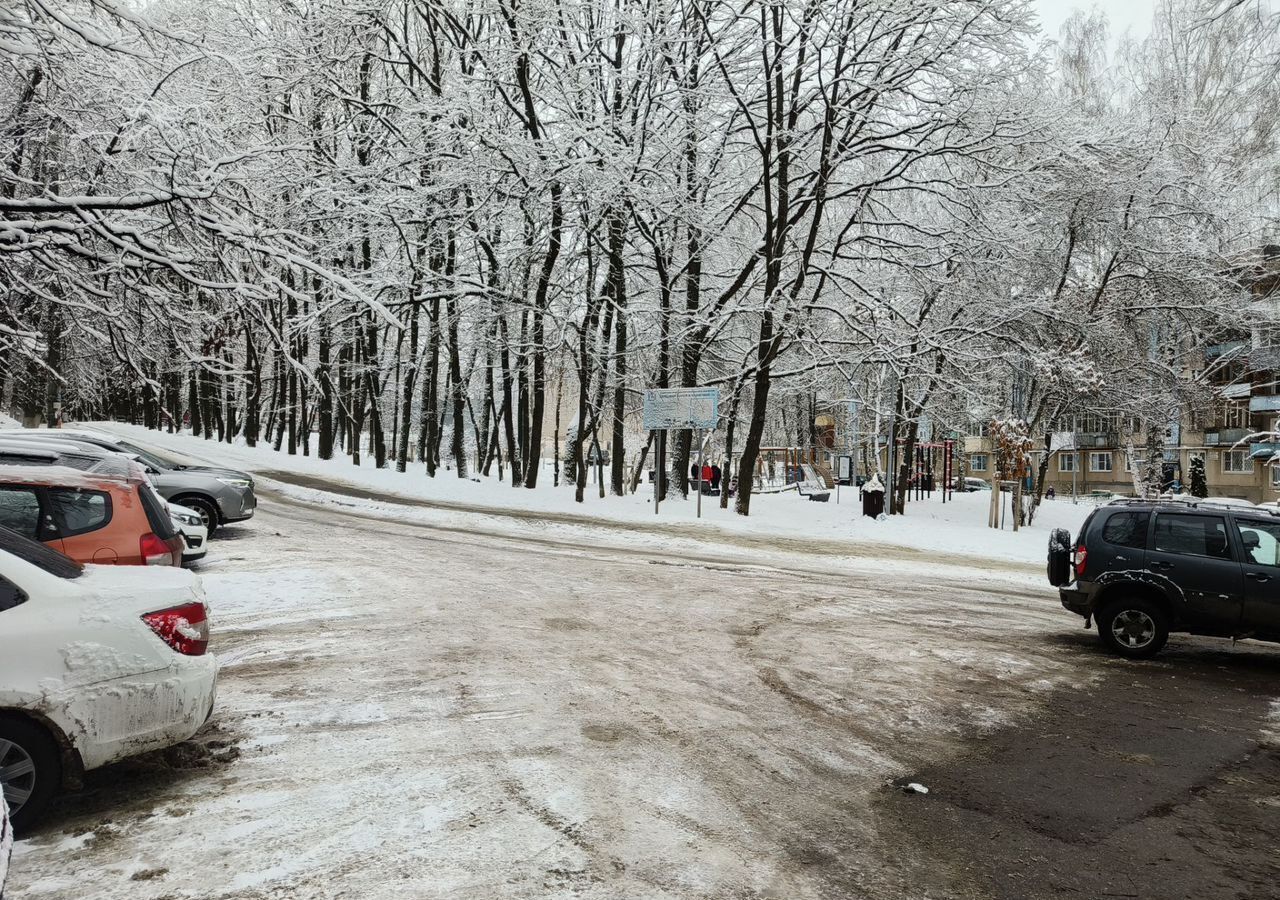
{"x": 109, "y": 515}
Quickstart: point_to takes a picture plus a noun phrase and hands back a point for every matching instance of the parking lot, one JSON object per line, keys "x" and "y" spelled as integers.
{"x": 409, "y": 710}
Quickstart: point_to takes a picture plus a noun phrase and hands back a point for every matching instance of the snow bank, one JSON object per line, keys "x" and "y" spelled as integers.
{"x": 956, "y": 529}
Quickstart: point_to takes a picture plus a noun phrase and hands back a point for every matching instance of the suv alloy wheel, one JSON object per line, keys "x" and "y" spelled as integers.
{"x": 1135, "y": 627}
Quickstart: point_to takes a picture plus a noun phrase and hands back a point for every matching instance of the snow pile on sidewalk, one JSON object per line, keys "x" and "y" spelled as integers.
{"x": 955, "y": 529}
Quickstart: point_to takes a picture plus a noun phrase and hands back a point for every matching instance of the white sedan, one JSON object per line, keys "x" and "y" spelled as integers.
{"x": 192, "y": 528}
{"x": 96, "y": 663}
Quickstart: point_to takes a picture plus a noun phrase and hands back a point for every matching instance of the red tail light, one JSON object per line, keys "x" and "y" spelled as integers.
{"x": 1080, "y": 556}
{"x": 155, "y": 551}
{"x": 184, "y": 628}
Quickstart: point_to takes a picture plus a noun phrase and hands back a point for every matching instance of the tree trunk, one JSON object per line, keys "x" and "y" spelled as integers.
{"x": 759, "y": 410}
{"x": 193, "y": 404}
{"x": 324, "y": 376}
{"x": 617, "y": 291}
{"x": 406, "y": 392}
{"x": 508, "y": 402}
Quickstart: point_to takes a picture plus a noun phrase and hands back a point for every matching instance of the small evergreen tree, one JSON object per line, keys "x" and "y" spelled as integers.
{"x": 1199, "y": 485}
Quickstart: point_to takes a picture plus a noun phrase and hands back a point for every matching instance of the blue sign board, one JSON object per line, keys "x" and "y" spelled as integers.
{"x": 666, "y": 408}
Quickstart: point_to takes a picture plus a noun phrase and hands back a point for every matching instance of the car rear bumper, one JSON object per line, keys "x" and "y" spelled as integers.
{"x": 124, "y": 717}
{"x": 1078, "y": 602}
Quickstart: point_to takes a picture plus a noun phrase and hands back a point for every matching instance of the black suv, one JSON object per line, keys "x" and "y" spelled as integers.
{"x": 1144, "y": 568}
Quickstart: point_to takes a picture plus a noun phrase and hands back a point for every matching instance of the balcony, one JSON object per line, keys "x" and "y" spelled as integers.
{"x": 1264, "y": 449}
{"x": 1264, "y": 358}
{"x": 1216, "y": 350}
{"x": 1224, "y": 437}
{"x": 1085, "y": 440}
{"x": 1268, "y": 403}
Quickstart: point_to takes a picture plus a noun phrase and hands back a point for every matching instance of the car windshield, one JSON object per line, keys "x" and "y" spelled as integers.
{"x": 38, "y": 555}
{"x": 153, "y": 460}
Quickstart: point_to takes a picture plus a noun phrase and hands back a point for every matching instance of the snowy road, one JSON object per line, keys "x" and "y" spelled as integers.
{"x": 406, "y": 711}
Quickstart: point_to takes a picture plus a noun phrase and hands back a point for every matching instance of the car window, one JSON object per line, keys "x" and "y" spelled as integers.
{"x": 10, "y": 594}
{"x": 20, "y": 509}
{"x": 1127, "y": 529}
{"x": 1261, "y": 541}
{"x": 79, "y": 511}
{"x": 149, "y": 458}
{"x": 39, "y": 555}
{"x": 1192, "y": 535}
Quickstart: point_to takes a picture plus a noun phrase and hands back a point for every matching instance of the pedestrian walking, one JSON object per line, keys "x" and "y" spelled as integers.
{"x": 715, "y": 479}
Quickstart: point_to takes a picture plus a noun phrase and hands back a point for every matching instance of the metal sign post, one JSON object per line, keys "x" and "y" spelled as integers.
{"x": 660, "y": 461}
{"x": 681, "y": 408}
{"x": 701, "y": 450}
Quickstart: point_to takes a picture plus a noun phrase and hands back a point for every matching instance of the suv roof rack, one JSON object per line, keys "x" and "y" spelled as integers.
{"x": 1197, "y": 503}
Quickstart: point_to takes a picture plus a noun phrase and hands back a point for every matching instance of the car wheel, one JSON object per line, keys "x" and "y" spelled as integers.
{"x": 30, "y": 770}
{"x": 1134, "y": 628}
{"x": 207, "y": 509}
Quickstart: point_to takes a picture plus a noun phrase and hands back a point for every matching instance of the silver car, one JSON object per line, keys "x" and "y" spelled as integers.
{"x": 218, "y": 495}
{"x": 91, "y": 458}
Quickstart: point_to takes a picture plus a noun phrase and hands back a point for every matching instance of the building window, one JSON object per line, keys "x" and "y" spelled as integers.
{"x": 1275, "y": 476}
{"x": 1100, "y": 462}
{"x": 1067, "y": 462}
{"x": 978, "y": 462}
{"x": 1236, "y": 462}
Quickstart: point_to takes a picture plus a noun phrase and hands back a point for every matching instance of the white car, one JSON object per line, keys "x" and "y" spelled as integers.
{"x": 194, "y": 533}
{"x": 96, "y": 663}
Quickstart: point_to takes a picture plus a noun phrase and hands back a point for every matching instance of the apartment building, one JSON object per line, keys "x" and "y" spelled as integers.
{"x": 1238, "y": 437}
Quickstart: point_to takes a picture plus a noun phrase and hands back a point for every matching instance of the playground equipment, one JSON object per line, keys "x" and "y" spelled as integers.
{"x": 781, "y": 468}
{"x": 930, "y": 459}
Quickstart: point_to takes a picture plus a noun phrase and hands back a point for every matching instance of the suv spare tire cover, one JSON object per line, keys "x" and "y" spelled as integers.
{"x": 1059, "y": 570}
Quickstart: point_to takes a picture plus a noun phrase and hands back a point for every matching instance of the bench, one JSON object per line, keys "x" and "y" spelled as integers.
{"x": 817, "y": 493}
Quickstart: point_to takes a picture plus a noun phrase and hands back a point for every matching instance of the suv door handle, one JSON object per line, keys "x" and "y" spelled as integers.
{"x": 1161, "y": 564}
{"x": 1257, "y": 576}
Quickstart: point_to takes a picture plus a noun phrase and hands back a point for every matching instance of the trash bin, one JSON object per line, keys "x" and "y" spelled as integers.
{"x": 873, "y": 498}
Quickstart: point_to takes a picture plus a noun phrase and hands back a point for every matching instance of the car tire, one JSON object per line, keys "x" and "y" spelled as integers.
{"x": 1135, "y": 627}
{"x": 25, "y": 745}
{"x": 207, "y": 508}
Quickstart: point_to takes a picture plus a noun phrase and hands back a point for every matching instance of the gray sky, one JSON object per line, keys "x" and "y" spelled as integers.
{"x": 1134, "y": 15}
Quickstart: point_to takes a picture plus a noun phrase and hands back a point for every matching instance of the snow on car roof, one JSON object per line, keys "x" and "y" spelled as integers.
{"x": 30, "y": 449}
{"x": 62, "y": 476}
{"x": 29, "y": 436}
{"x": 72, "y": 434}
{"x": 54, "y": 436}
